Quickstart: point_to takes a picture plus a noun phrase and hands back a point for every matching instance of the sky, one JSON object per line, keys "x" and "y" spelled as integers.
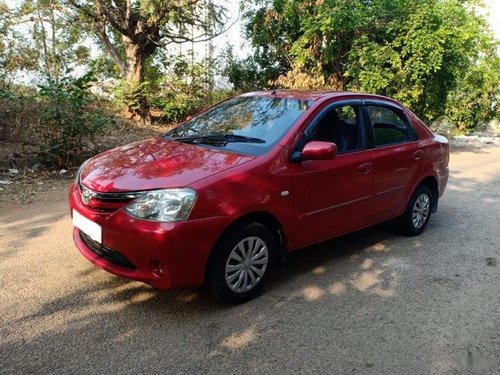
{"x": 493, "y": 10}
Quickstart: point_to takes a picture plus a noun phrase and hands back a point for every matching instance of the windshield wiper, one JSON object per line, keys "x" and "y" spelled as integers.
{"x": 219, "y": 139}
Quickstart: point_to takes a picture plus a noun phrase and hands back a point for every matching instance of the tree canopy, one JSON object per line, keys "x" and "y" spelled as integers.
{"x": 419, "y": 52}
{"x": 129, "y": 32}
{"x": 435, "y": 56}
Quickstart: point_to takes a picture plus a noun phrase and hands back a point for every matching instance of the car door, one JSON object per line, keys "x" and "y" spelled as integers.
{"x": 396, "y": 157}
{"x": 333, "y": 196}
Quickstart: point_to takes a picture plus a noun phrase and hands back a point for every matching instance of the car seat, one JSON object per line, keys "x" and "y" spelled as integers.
{"x": 331, "y": 129}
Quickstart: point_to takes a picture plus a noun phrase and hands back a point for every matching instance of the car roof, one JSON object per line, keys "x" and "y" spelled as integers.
{"x": 313, "y": 94}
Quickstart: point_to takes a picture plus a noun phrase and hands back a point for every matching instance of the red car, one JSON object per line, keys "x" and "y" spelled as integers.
{"x": 220, "y": 199}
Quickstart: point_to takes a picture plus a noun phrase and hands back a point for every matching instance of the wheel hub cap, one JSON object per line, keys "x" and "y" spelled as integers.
{"x": 246, "y": 264}
{"x": 420, "y": 211}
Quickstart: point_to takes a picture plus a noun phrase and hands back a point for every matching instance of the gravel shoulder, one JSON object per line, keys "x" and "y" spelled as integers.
{"x": 371, "y": 302}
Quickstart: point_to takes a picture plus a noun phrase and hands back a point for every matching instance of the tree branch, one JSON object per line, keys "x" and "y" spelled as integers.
{"x": 204, "y": 37}
{"x": 176, "y": 8}
{"x": 100, "y": 32}
{"x": 84, "y": 9}
{"x": 113, "y": 16}
{"x": 128, "y": 12}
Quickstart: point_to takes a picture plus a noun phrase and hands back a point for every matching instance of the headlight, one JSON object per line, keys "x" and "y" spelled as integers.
{"x": 163, "y": 205}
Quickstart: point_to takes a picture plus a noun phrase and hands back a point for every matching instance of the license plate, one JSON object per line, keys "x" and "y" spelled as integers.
{"x": 91, "y": 229}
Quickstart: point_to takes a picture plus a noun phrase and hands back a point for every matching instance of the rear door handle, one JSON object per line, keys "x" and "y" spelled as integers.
{"x": 418, "y": 154}
{"x": 365, "y": 168}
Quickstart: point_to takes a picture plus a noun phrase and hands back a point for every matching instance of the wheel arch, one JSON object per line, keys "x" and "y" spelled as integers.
{"x": 265, "y": 218}
{"x": 432, "y": 183}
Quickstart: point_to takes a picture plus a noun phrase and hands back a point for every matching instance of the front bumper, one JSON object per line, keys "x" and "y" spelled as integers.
{"x": 165, "y": 255}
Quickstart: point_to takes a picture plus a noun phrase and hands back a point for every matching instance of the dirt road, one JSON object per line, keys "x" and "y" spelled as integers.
{"x": 370, "y": 302}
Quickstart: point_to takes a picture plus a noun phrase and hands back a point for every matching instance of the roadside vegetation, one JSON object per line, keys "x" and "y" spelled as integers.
{"x": 78, "y": 77}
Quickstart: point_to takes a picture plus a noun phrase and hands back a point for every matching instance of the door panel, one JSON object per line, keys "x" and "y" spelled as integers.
{"x": 396, "y": 158}
{"x": 331, "y": 196}
{"x": 394, "y": 169}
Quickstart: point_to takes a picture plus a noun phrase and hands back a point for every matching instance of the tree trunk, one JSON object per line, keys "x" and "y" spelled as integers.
{"x": 340, "y": 81}
{"x": 134, "y": 78}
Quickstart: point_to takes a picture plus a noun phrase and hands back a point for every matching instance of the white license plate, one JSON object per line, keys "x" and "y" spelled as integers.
{"x": 91, "y": 229}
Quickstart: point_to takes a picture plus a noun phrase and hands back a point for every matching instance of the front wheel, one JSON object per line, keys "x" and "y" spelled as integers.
{"x": 241, "y": 263}
{"x": 418, "y": 212}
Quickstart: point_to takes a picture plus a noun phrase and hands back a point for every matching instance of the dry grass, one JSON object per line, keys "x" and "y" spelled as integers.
{"x": 20, "y": 120}
{"x": 21, "y": 130}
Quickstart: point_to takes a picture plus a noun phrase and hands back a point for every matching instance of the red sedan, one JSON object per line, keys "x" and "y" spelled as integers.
{"x": 221, "y": 198}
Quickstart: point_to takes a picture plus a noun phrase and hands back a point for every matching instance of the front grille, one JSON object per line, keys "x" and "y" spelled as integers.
{"x": 106, "y": 202}
{"x": 106, "y": 252}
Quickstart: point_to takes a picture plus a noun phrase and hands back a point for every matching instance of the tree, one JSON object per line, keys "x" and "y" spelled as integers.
{"x": 476, "y": 100}
{"x": 243, "y": 74}
{"x": 271, "y": 28}
{"x": 415, "y": 51}
{"x": 131, "y": 31}
{"x": 40, "y": 39}
{"x": 429, "y": 48}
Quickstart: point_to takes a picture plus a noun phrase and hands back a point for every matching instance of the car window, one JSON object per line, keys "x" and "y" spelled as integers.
{"x": 388, "y": 126}
{"x": 249, "y": 124}
{"x": 413, "y": 131}
{"x": 340, "y": 125}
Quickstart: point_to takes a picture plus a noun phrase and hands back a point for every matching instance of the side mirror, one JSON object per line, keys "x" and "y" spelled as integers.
{"x": 319, "y": 150}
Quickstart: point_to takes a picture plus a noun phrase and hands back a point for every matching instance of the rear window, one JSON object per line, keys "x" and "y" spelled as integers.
{"x": 250, "y": 124}
{"x": 389, "y": 127}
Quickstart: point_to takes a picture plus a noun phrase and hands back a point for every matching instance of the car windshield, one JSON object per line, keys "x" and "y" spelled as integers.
{"x": 248, "y": 124}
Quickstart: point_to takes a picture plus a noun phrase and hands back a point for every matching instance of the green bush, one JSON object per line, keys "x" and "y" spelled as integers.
{"x": 174, "y": 87}
{"x": 134, "y": 97}
{"x": 177, "y": 106}
{"x": 476, "y": 100}
{"x": 182, "y": 91}
{"x": 69, "y": 120}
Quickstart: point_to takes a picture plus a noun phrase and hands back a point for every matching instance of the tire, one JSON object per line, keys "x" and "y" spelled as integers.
{"x": 228, "y": 265}
{"x": 418, "y": 212}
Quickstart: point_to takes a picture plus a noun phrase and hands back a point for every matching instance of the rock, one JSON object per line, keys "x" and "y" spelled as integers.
{"x": 39, "y": 183}
{"x": 63, "y": 171}
{"x": 13, "y": 172}
{"x": 37, "y": 167}
{"x": 5, "y": 182}
{"x": 492, "y": 262}
{"x": 12, "y": 164}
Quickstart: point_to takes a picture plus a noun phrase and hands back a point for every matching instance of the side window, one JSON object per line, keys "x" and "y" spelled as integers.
{"x": 340, "y": 125}
{"x": 388, "y": 126}
{"x": 413, "y": 132}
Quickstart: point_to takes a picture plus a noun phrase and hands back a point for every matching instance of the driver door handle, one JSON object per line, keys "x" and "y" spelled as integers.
{"x": 365, "y": 168}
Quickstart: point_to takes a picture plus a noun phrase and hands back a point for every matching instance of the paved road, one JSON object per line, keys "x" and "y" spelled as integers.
{"x": 370, "y": 302}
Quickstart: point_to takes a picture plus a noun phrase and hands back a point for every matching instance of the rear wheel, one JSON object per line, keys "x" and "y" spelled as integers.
{"x": 241, "y": 263}
{"x": 418, "y": 212}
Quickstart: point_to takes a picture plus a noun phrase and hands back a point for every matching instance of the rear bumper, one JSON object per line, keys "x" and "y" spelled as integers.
{"x": 165, "y": 255}
{"x": 443, "y": 176}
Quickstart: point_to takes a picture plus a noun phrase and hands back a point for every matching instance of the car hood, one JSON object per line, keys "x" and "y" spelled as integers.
{"x": 154, "y": 164}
